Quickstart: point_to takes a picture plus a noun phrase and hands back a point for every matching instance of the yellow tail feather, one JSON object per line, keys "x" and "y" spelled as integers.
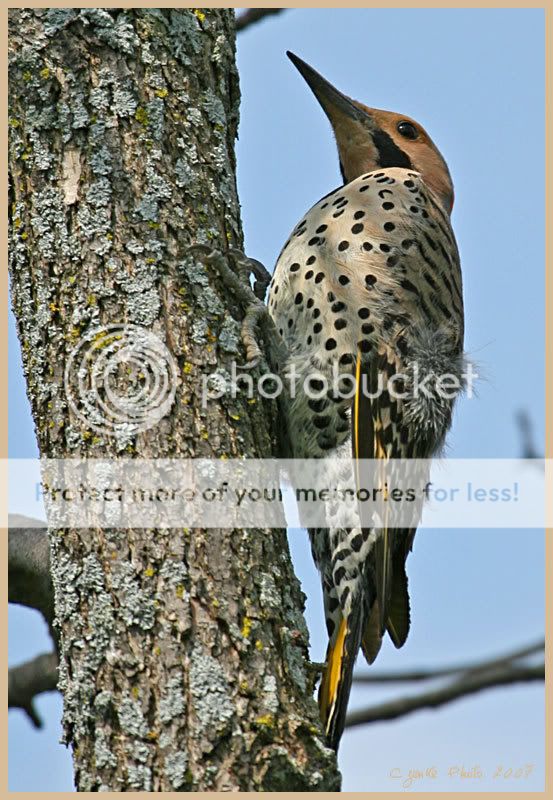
{"x": 331, "y": 677}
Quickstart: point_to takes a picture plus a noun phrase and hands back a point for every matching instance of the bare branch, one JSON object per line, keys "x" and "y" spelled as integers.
{"x": 28, "y": 680}
{"x": 469, "y": 684}
{"x": 432, "y": 674}
{"x": 253, "y": 15}
{"x": 526, "y": 430}
{"x": 30, "y": 583}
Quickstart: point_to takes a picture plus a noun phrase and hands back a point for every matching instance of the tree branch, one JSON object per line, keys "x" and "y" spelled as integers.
{"x": 30, "y": 583}
{"x": 526, "y": 431}
{"x": 471, "y": 667}
{"x": 469, "y": 684}
{"x": 253, "y": 15}
{"x": 28, "y": 680}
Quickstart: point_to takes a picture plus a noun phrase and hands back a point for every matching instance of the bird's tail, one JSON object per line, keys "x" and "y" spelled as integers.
{"x": 335, "y": 686}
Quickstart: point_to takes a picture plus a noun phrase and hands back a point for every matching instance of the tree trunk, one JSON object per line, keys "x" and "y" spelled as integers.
{"x": 183, "y": 652}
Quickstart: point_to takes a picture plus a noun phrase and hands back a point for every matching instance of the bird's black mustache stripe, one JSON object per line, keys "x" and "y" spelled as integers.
{"x": 390, "y": 154}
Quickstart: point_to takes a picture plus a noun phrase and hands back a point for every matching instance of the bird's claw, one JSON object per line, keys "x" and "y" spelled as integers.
{"x": 251, "y": 266}
{"x": 315, "y": 671}
{"x": 239, "y": 282}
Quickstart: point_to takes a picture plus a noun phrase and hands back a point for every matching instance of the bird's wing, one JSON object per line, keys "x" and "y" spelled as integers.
{"x": 376, "y": 430}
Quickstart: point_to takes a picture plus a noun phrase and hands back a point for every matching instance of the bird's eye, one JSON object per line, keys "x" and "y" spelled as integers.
{"x": 408, "y": 130}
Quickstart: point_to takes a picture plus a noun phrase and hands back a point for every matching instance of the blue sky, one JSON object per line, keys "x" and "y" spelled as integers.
{"x": 474, "y": 79}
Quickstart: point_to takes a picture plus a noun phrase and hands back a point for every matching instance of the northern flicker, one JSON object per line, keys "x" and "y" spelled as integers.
{"x": 369, "y": 282}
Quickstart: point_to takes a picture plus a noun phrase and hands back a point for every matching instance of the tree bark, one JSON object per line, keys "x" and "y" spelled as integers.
{"x": 183, "y": 653}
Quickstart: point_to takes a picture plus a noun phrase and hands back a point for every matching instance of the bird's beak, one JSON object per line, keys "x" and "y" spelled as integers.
{"x": 354, "y": 128}
{"x": 337, "y": 106}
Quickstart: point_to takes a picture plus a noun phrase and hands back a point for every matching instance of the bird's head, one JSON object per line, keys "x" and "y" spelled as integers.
{"x": 369, "y": 138}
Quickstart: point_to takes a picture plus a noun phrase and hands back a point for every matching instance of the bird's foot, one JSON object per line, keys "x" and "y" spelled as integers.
{"x": 315, "y": 670}
{"x": 257, "y": 314}
{"x": 246, "y": 266}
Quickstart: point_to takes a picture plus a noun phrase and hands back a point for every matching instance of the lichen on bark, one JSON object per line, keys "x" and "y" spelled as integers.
{"x": 182, "y": 652}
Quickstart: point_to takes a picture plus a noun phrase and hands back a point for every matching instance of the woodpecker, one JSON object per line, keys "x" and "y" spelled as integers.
{"x": 369, "y": 283}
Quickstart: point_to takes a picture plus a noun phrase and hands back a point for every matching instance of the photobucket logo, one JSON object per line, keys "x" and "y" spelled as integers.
{"x": 413, "y": 384}
{"x": 120, "y": 376}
